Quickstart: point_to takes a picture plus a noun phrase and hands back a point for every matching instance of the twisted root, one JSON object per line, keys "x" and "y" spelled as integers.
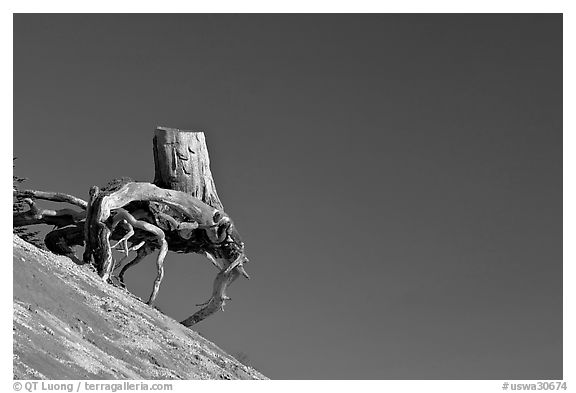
{"x": 123, "y": 216}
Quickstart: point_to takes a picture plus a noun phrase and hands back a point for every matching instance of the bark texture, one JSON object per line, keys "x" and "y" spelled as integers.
{"x": 181, "y": 163}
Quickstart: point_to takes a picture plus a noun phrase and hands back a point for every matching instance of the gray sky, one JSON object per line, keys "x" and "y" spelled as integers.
{"x": 397, "y": 178}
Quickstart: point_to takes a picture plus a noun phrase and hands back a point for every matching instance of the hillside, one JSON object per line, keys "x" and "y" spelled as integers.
{"x": 68, "y": 324}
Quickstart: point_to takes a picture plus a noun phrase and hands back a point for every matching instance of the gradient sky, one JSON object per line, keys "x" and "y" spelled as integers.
{"x": 397, "y": 179}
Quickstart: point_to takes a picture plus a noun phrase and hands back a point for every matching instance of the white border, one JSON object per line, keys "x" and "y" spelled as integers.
{"x": 294, "y": 6}
{"x": 229, "y": 6}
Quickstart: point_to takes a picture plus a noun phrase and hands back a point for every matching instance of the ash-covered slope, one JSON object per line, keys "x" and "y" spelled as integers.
{"x": 68, "y": 324}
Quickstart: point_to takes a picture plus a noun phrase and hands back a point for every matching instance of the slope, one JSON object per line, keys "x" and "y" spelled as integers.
{"x": 68, "y": 324}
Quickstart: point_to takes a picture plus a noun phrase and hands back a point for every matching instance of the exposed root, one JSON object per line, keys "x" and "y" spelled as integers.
{"x": 243, "y": 272}
{"x": 133, "y": 248}
{"x": 187, "y": 221}
{"x": 52, "y": 196}
{"x": 88, "y": 238}
{"x": 217, "y": 301}
{"x": 137, "y": 246}
{"x": 142, "y": 253}
{"x": 36, "y": 215}
{"x": 194, "y": 209}
{"x": 123, "y": 216}
{"x": 214, "y": 261}
{"x": 224, "y": 297}
{"x": 184, "y": 229}
{"x": 237, "y": 262}
{"x": 160, "y": 273}
{"x": 124, "y": 240}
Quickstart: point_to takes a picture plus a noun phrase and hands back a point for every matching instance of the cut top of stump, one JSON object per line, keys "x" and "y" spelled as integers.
{"x": 170, "y": 129}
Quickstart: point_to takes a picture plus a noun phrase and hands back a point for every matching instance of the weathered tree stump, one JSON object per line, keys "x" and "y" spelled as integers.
{"x": 180, "y": 212}
{"x": 181, "y": 163}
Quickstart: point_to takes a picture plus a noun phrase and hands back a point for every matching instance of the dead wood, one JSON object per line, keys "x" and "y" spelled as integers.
{"x": 180, "y": 212}
{"x": 124, "y": 216}
{"x": 217, "y": 301}
{"x": 181, "y": 163}
{"x": 51, "y": 196}
{"x": 58, "y": 218}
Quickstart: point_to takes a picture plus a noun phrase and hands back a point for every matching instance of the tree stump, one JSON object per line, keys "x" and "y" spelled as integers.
{"x": 180, "y": 212}
{"x": 181, "y": 163}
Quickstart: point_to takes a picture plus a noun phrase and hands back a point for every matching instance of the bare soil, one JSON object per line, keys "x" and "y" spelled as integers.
{"x": 69, "y": 324}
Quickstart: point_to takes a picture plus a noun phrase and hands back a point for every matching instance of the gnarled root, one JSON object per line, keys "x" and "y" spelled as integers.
{"x": 214, "y": 261}
{"x": 141, "y": 254}
{"x": 89, "y": 239}
{"x": 238, "y": 264}
{"x": 123, "y": 216}
{"x": 188, "y": 224}
{"x": 51, "y": 196}
{"x": 217, "y": 301}
{"x": 160, "y": 271}
{"x": 124, "y": 240}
